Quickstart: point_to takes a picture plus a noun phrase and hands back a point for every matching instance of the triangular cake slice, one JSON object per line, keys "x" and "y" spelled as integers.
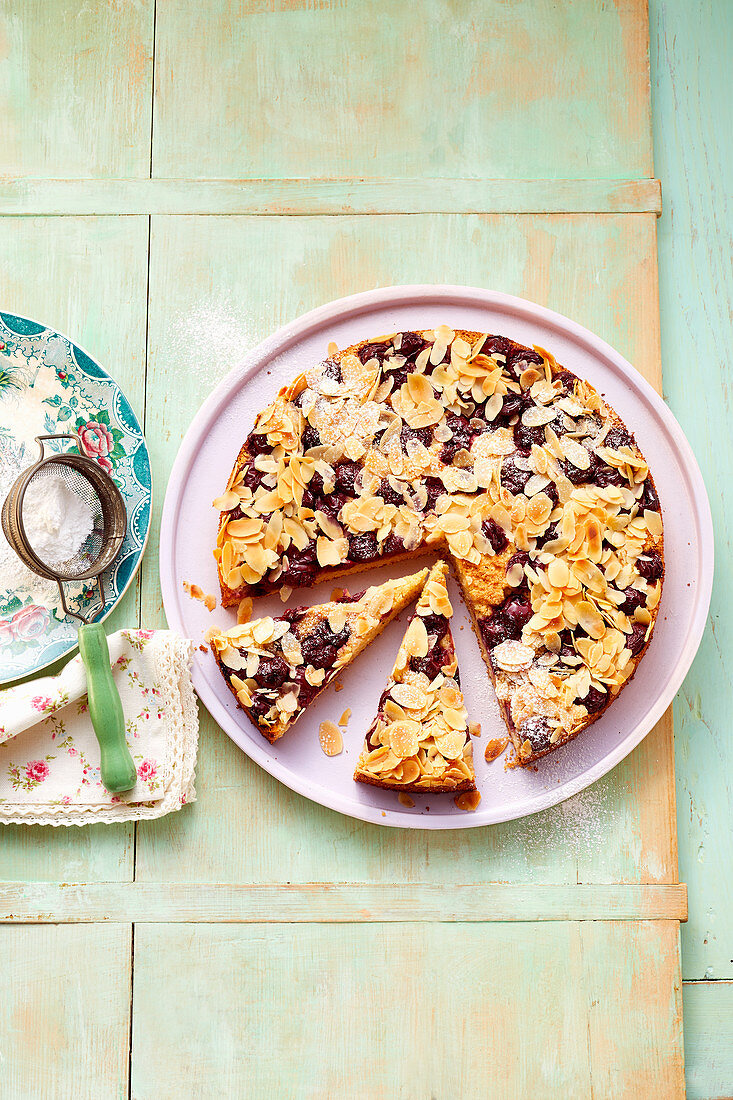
{"x": 276, "y": 667}
{"x": 419, "y": 740}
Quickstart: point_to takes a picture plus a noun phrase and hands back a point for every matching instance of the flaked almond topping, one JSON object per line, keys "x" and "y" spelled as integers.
{"x": 416, "y": 638}
{"x": 404, "y": 799}
{"x": 337, "y": 618}
{"x": 468, "y": 800}
{"x": 226, "y": 502}
{"x": 494, "y": 748}
{"x": 512, "y": 656}
{"x": 536, "y": 416}
{"x": 244, "y": 610}
{"x": 344, "y": 719}
{"x": 404, "y": 738}
{"x": 330, "y": 738}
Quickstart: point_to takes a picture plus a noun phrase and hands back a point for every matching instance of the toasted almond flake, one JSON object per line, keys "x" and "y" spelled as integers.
{"x": 474, "y": 729}
{"x": 211, "y": 633}
{"x": 536, "y": 416}
{"x": 332, "y": 349}
{"x": 337, "y": 619}
{"x": 494, "y": 748}
{"x": 653, "y": 521}
{"x": 193, "y": 590}
{"x": 226, "y": 502}
{"x": 404, "y": 799}
{"x": 244, "y": 610}
{"x": 344, "y": 719}
{"x": 209, "y": 602}
{"x": 330, "y": 738}
{"x": 512, "y": 656}
{"x": 576, "y": 453}
{"x": 416, "y": 638}
{"x": 450, "y": 745}
{"x": 404, "y": 738}
{"x": 336, "y": 594}
{"x": 263, "y": 630}
{"x": 515, "y": 575}
{"x": 468, "y": 800}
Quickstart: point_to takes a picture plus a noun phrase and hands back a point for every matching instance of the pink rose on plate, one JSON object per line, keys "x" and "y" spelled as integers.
{"x": 36, "y": 770}
{"x": 6, "y": 632}
{"x": 97, "y": 441}
{"x": 147, "y": 770}
{"x": 30, "y": 622}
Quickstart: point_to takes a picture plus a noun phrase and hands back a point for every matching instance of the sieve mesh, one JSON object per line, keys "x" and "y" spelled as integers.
{"x": 90, "y": 551}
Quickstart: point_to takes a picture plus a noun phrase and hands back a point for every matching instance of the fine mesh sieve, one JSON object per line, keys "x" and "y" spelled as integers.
{"x": 87, "y": 480}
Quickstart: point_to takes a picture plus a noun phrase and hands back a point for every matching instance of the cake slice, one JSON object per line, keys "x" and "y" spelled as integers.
{"x": 276, "y": 667}
{"x": 419, "y": 740}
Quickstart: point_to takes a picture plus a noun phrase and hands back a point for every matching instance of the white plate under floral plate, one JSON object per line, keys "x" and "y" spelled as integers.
{"x": 49, "y": 384}
{"x": 189, "y": 531}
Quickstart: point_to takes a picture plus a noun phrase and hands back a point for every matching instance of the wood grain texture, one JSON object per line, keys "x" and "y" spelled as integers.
{"x": 500, "y": 1011}
{"x": 355, "y": 92}
{"x": 314, "y": 196}
{"x": 694, "y": 109}
{"x": 245, "y": 826}
{"x": 86, "y": 277}
{"x": 333, "y": 903}
{"x": 64, "y": 1012}
{"x": 708, "y": 1011}
{"x": 281, "y": 88}
{"x": 75, "y": 87}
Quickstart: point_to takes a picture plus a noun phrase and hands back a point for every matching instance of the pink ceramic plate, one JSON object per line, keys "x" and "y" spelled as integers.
{"x": 189, "y": 529}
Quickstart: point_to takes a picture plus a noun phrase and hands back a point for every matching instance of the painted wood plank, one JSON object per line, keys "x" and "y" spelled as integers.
{"x": 245, "y": 826}
{"x": 633, "y": 988}
{"x": 406, "y": 1011}
{"x": 313, "y": 196}
{"x": 708, "y": 1009}
{"x": 76, "y": 87}
{"x": 64, "y": 1012}
{"x": 87, "y": 277}
{"x": 693, "y": 108}
{"x": 156, "y": 902}
{"x": 342, "y": 88}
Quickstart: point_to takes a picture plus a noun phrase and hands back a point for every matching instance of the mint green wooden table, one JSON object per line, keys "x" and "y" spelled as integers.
{"x": 179, "y": 180}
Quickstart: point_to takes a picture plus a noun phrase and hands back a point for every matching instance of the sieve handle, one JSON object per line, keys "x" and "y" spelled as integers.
{"x": 105, "y": 710}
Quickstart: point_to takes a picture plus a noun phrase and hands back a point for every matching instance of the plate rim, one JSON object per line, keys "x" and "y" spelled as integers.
{"x": 279, "y": 342}
{"x": 73, "y": 647}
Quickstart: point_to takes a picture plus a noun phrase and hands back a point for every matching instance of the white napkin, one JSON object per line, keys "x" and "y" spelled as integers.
{"x": 49, "y": 756}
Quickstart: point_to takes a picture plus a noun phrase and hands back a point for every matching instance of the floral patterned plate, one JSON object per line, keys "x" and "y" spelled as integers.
{"x": 48, "y": 384}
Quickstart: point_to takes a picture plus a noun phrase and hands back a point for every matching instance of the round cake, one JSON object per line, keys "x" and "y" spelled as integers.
{"x": 491, "y": 453}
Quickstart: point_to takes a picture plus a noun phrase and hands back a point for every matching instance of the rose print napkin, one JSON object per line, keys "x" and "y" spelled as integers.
{"x": 49, "y": 756}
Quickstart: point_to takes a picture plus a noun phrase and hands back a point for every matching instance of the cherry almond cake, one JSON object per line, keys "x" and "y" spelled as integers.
{"x": 419, "y": 740}
{"x": 277, "y": 667}
{"x": 488, "y": 451}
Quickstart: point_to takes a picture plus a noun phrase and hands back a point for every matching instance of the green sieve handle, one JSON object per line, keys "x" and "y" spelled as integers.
{"x": 105, "y": 710}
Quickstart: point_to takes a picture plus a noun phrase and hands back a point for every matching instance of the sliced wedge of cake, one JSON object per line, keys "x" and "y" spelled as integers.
{"x": 419, "y": 740}
{"x": 276, "y": 667}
